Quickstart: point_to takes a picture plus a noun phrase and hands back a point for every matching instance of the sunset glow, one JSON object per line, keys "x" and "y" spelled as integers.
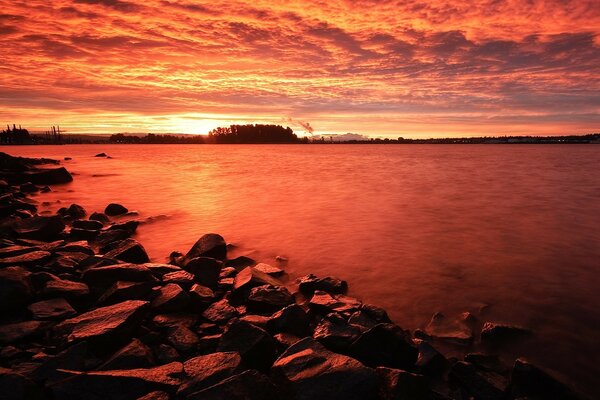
{"x": 379, "y": 68}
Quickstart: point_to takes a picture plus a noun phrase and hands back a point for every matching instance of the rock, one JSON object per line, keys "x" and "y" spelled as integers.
{"x": 256, "y": 347}
{"x": 529, "y": 381}
{"x": 324, "y": 303}
{"x": 89, "y": 225}
{"x": 249, "y": 385}
{"x": 108, "y": 240}
{"x": 182, "y": 339}
{"x": 73, "y": 211}
{"x": 171, "y": 297}
{"x": 117, "y": 384}
{"x": 105, "y": 326}
{"x": 74, "y": 357}
{"x": 99, "y": 217}
{"x": 15, "y": 288}
{"x": 14, "y": 386}
{"x": 335, "y": 333}
{"x": 39, "y": 228}
{"x": 182, "y": 278}
{"x": 249, "y": 277}
{"x": 14, "y": 332}
{"x": 442, "y": 328}
{"x": 206, "y": 270}
{"x": 65, "y": 288}
{"x": 166, "y": 354}
{"x": 478, "y": 384}
{"x": 130, "y": 227}
{"x": 207, "y": 370}
{"x": 311, "y": 372}
{"x": 49, "y": 176}
{"x": 430, "y": 362}
{"x": 240, "y": 262}
{"x": 269, "y": 298}
{"x": 385, "y": 345}
{"x": 159, "y": 270}
{"x": 291, "y": 319}
{"x": 28, "y": 187}
{"x": 34, "y": 258}
{"x": 494, "y": 334}
{"x": 487, "y": 362}
{"x": 16, "y": 250}
{"x": 174, "y": 319}
{"x": 122, "y": 290}
{"x": 285, "y": 340}
{"x": 209, "y": 343}
{"x": 77, "y": 247}
{"x": 401, "y": 385}
{"x": 209, "y": 245}
{"x": 361, "y": 318}
{"x": 156, "y": 395}
{"x": 134, "y": 355}
{"x": 200, "y": 295}
{"x": 129, "y": 250}
{"x": 269, "y": 269}
{"x": 103, "y": 277}
{"x": 220, "y": 311}
{"x": 256, "y": 320}
{"x": 114, "y": 209}
{"x": 309, "y": 283}
{"x": 101, "y": 155}
{"x": 57, "y": 308}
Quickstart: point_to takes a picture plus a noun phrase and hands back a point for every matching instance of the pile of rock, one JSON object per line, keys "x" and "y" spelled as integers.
{"x": 85, "y": 315}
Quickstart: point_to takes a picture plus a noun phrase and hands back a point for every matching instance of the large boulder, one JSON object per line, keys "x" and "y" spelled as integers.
{"x": 105, "y": 326}
{"x": 335, "y": 333}
{"x": 291, "y": 319}
{"x": 529, "y": 381}
{"x": 249, "y": 385}
{"x": 114, "y": 209}
{"x": 206, "y": 270}
{"x": 87, "y": 224}
{"x": 15, "y": 288}
{"x": 209, "y": 245}
{"x": 385, "y": 345}
{"x": 308, "y": 371}
{"x": 48, "y": 176}
{"x": 39, "y": 228}
{"x": 256, "y": 347}
{"x": 117, "y": 384}
{"x": 129, "y": 250}
{"x": 269, "y": 299}
{"x": 207, "y": 370}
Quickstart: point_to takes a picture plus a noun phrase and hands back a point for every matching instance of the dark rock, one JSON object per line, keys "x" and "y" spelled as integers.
{"x": 174, "y": 319}
{"x": 73, "y": 211}
{"x": 182, "y": 338}
{"x": 240, "y": 262}
{"x": 171, "y": 297}
{"x": 269, "y": 269}
{"x": 248, "y": 278}
{"x": 99, "y": 217}
{"x": 209, "y": 245}
{"x": 487, "y": 362}
{"x": 201, "y": 295}
{"x": 249, "y": 385}
{"x": 105, "y": 326}
{"x": 121, "y": 291}
{"x": 385, "y": 345}
{"x": 118, "y": 384}
{"x": 256, "y": 320}
{"x": 28, "y": 187}
{"x": 494, "y": 334}
{"x": 134, "y": 355}
{"x": 285, "y": 340}
{"x": 166, "y": 354}
{"x": 89, "y": 225}
{"x": 130, "y": 227}
{"x": 49, "y": 176}
{"x": 156, "y": 395}
{"x": 430, "y": 362}
{"x": 309, "y": 283}
{"x": 361, "y": 318}
{"x": 65, "y": 288}
{"x": 325, "y": 303}
{"x": 14, "y": 332}
{"x": 101, "y": 155}
{"x": 209, "y": 343}
{"x": 220, "y": 311}
{"x": 442, "y": 328}
{"x": 16, "y": 250}
{"x": 78, "y": 247}
{"x": 15, "y": 288}
{"x": 114, "y": 209}
{"x": 531, "y": 382}
{"x": 205, "y": 269}
{"x": 14, "y": 386}
{"x": 209, "y": 369}
{"x": 256, "y": 347}
{"x": 335, "y": 333}
{"x": 227, "y": 272}
{"x": 397, "y": 384}
{"x": 182, "y": 278}
{"x": 376, "y": 313}
{"x": 39, "y": 228}
{"x": 108, "y": 240}
{"x": 269, "y": 298}
{"x": 74, "y": 357}
{"x": 292, "y": 319}
{"x": 478, "y": 384}
{"x": 57, "y": 308}
{"x": 106, "y": 276}
{"x": 129, "y": 250}
{"x": 159, "y": 270}
{"x": 311, "y": 372}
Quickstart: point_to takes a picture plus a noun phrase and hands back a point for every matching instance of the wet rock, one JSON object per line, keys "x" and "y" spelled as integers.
{"x": 49, "y": 176}
{"x": 201, "y": 296}
{"x": 103, "y": 277}
{"x": 209, "y": 369}
{"x": 129, "y": 250}
{"x": 89, "y": 225}
{"x": 130, "y": 227}
{"x": 65, "y": 288}
{"x": 240, "y": 262}
{"x": 478, "y": 384}
{"x": 269, "y": 269}
{"x": 182, "y": 278}
{"x": 292, "y": 319}
{"x": 14, "y": 332}
{"x": 159, "y": 270}
{"x": 385, "y": 345}
{"x": 430, "y": 362}
{"x": 397, "y": 384}
{"x": 134, "y": 355}
{"x": 28, "y": 187}
{"x": 447, "y": 330}
{"x": 15, "y": 288}
{"x": 51, "y": 309}
{"x": 335, "y": 333}
{"x": 39, "y": 228}
{"x": 122, "y": 290}
{"x": 77, "y": 247}
{"x": 494, "y": 334}
{"x": 171, "y": 297}
{"x": 14, "y": 386}
{"x": 311, "y": 372}
{"x": 182, "y": 338}
{"x": 209, "y": 245}
{"x": 269, "y": 298}
{"x": 324, "y": 303}
{"x": 361, "y": 318}
{"x": 309, "y": 283}
{"x": 105, "y": 326}
{"x": 529, "y": 381}
{"x": 256, "y": 347}
{"x": 220, "y": 311}
{"x": 73, "y": 211}
{"x": 100, "y": 217}
{"x": 108, "y": 240}
{"x": 16, "y": 250}
{"x": 114, "y": 209}
{"x": 101, "y": 155}
{"x": 86, "y": 234}
{"x": 249, "y": 385}
{"x": 118, "y": 384}
{"x": 249, "y": 277}
{"x": 206, "y": 270}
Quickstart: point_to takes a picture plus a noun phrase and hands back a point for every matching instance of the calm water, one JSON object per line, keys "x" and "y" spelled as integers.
{"x": 413, "y": 228}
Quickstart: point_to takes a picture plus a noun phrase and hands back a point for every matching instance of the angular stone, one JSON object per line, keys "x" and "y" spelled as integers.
{"x": 49, "y": 176}
{"x": 401, "y": 385}
{"x": 174, "y": 319}
{"x": 201, "y": 295}
{"x": 182, "y": 278}
{"x": 171, "y": 297}
{"x": 121, "y": 291}
{"x": 100, "y": 217}
{"x": 105, "y": 326}
{"x": 325, "y": 303}
{"x": 34, "y": 258}
{"x": 16, "y": 250}
{"x": 134, "y": 355}
{"x": 385, "y": 345}
{"x": 220, "y": 311}
{"x": 269, "y": 298}
{"x": 39, "y": 228}
{"x": 209, "y": 369}
{"x": 335, "y": 333}
{"x": 129, "y": 250}
{"x": 166, "y": 354}
{"x": 14, "y": 332}
{"x": 494, "y": 334}
{"x": 248, "y": 278}
{"x": 209, "y": 245}
{"x": 362, "y": 319}
{"x": 118, "y": 384}
{"x": 106, "y": 240}
{"x": 160, "y": 270}
{"x": 269, "y": 269}
{"x": 156, "y": 395}
{"x": 430, "y": 361}
{"x": 285, "y": 340}
{"x": 249, "y": 385}
{"x": 442, "y": 328}
{"x": 487, "y": 362}
{"x": 130, "y": 227}
{"x": 309, "y": 283}
{"x": 114, "y": 209}
{"x": 182, "y": 338}
{"x": 478, "y": 384}
{"x": 103, "y": 277}
{"x": 57, "y": 308}
{"x": 73, "y": 211}
{"x": 311, "y": 372}
{"x": 14, "y": 386}
{"x": 291, "y": 319}
{"x": 15, "y": 288}
{"x": 89, "y": 225}
{"x": 206, "y": 270}
{"x": 74, "y": 357}
{"x": 240, "y": 262}
{"x": 529, "y": 381}
{"x": 256, "y": 347}
{"x": 256, "y": 320}
{"x": 65, "y": 288}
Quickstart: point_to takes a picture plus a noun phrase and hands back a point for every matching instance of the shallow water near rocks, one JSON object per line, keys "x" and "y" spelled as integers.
{"x": 510, "y": 229}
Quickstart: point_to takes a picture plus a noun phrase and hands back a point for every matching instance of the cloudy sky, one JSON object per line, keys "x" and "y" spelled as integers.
{"x": 381, "y": 68}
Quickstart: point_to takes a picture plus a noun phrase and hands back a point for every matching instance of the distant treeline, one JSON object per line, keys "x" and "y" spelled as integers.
{"x": 15, "y": 135}
{"x": 256, "y": 133}
{"x": 152, "y": 138}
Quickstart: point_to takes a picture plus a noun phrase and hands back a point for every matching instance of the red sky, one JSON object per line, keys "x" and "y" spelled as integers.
{"x": 381, "y": 68}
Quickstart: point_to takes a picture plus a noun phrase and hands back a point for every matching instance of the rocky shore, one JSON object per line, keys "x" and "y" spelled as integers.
{"x": 86, "y": 315}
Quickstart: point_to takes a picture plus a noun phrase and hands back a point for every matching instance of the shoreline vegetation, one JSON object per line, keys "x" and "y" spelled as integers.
{"x": 86, "y": 315}
{"x": 262, "y": 134}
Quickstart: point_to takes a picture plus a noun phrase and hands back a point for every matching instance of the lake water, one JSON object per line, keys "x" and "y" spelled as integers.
{"x": 413, "y": 228}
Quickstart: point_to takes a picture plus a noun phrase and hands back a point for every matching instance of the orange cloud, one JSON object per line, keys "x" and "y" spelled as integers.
{"x": 383, "y": 68}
